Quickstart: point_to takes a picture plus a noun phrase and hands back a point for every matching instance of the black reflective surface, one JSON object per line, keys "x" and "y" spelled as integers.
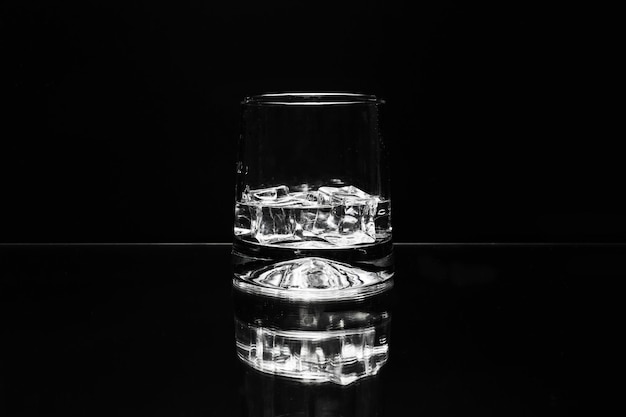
{"x": 149, "y": 330}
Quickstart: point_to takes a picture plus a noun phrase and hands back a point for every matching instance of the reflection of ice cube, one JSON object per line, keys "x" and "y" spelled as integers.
{"x": 266, "y": 194}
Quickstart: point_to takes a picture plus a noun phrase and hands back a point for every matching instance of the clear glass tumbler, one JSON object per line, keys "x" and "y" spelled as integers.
{"x": 312, "y": 193}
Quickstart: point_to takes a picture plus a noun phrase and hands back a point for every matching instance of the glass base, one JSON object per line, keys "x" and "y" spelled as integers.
{"x": 313, "y": 278}
{"x": 310, "y": 275}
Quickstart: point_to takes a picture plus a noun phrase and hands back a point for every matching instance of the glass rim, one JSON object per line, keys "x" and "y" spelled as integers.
{"x": 311, "y": 99}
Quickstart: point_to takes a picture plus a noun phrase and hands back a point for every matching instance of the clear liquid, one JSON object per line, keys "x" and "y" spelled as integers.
{"x": 327, "y": 218}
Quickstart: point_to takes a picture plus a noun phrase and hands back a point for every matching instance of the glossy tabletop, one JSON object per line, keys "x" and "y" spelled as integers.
{"x": 149, "y": 330}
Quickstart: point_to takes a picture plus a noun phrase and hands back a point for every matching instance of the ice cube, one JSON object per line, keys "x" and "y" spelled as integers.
{"x": 273, "y": 225}
{"x": 305, "y": 196}
{"x": 281, "y": 197}
{"x": 352, "y": 191}
{"x": 242, "y": 220}
{"x": 340, "y": 195}
{"x": 286, "y": 202}
{"x": 326, "y": 194}
{"x": 335, "y": 216}
{"x": 355, "y": 238}
{"x": 297, "y": 199}
{"x": 266, "y": 194}
{"x": 350, "y": 224}
{"x": 317, "y": 220}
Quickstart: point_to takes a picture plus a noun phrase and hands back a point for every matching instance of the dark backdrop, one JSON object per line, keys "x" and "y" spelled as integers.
{"x": 120, "y": 116}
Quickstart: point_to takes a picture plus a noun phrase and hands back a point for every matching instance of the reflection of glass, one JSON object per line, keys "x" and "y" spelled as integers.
{"x": 312, "y": 182}
{"x": 269, "y": 396}
{"x": 338, "y": 342}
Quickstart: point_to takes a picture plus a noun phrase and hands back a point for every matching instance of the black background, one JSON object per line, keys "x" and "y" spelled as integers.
{"x": 120, "y": 116}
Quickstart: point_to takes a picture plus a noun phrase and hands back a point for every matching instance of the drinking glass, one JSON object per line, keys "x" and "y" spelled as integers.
{"x": 312, "y": 206}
